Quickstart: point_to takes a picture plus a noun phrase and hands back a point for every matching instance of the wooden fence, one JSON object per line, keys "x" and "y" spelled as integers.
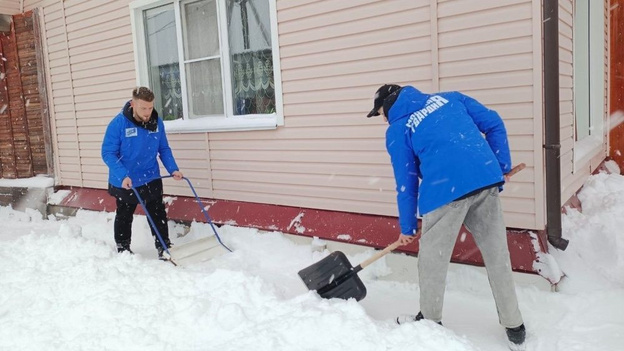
{"x": 22, "y": 126}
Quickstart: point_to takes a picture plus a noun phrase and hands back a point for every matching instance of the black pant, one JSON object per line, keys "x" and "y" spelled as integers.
{"x": 151, "y": 194}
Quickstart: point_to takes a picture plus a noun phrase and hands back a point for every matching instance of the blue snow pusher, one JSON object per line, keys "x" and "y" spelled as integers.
{"x": 196, "y": 251}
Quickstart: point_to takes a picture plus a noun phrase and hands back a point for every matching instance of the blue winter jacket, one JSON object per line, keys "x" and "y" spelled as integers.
{"x": 129, "y": 149}
{"x": 439, "y": 138}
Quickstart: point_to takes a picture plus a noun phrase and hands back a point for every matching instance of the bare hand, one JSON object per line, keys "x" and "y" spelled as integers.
{"x": 177, "y": 175}
{"x": 406, "y": 239}
{"x": 127, "y": 183}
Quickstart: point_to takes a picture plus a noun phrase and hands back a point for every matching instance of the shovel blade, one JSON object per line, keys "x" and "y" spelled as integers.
{"x": 333, "y": 277}
{"x": 197, "y": 251}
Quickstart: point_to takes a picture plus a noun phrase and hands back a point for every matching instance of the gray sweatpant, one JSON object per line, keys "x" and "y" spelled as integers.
{"x": 483, "y": 217}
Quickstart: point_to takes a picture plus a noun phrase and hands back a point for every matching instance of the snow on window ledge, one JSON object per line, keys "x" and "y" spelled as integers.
{"x": 585, "y": 149}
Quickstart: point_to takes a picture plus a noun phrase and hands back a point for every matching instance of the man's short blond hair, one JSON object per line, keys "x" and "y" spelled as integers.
{"x": 143, "y": 93}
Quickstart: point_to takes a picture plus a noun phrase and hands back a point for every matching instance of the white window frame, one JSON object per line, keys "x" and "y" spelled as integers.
{"x": 221, "y": 123}
{"x": 589, "y": 146}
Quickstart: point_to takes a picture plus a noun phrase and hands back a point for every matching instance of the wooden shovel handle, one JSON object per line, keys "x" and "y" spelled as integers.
{"x": 380, "y": 254}
{"x": 397, "y": 243}
{"x": 516, "y": 169}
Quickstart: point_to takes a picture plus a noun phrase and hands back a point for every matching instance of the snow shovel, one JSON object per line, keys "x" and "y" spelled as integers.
{"x": 334, "y": 277}
{"x": 196, "y": 251}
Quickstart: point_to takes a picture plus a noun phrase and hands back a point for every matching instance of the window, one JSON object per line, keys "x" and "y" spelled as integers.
{"x": 589, "y": 77}
{"x": 212, "y": 64}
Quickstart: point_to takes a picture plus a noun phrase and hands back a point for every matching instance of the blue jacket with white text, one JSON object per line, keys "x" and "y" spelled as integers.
{"x": 129, "y": 149}
{"x": 449, "y": 141}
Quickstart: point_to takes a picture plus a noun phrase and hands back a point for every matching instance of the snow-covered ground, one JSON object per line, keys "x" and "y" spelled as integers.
{"x": 64, "y": 287}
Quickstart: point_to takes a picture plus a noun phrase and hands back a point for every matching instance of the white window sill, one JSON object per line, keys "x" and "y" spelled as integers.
{"x": 585, "y": 149}
{"x": 222, "y": 124}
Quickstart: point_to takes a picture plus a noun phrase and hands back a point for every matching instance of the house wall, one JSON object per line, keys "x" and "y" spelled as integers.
{"x": 334, "y": 54}
{"x": 10, "y": 7}
{"x": 575, "y": 173}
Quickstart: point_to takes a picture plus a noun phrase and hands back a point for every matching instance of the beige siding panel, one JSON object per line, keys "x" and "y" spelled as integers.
{"x": 125, "y": 59}
{"x": 115, "y": 35}
{"x": 31, "y": 4}
{"x": 315, "y": 180}
{"x": 524, "y": 142}
{"x": 88, "y": 87}
{"x": 295, "y": 168}
{"x": 105, "y": 112}
{"x": 104, "y": 70}
{"x": 456, "y": 8}
{"x": 396, "y": 75}
{"x": 525, "y": 206}
{"x": 489, "y": 49}
{"x": 304, "y": 56}
{"x": 517, "y": 94}
{"x": 486, "y": 34}
{"x": 351, "y": 119}
{"x": 95, "y": 46}
{"x": 301, "y": 145}
{"x": 57, "y": 55}
{"x": 331, "y": 70}
{"x": 88, "y": 82}
{"x": 110, "y": 52}
{"x": 518, "y": 220}
{"x": 302, "y": 9}
{"x": 365, "y": 11}
{"x": 487, "y": 65}
{"x": 521, "y": 10}
{"x": 81, "y": 121}
{"x": 10, "y": 7}
{"x": 372, "y": 157}
{"x": 101, "y": 12}
{"x": 328, "y": 133}
{"x": 307, "y": 200}
{"x": 399, "y": 20}
{"x": 114, "y": 24}
{"x": 68, "y": 168}
{"x": 327, "y": 193}
{"x": 105, "y": 97}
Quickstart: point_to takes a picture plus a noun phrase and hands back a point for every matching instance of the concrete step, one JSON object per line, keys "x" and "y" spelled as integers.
{"x": 21, "y": 198}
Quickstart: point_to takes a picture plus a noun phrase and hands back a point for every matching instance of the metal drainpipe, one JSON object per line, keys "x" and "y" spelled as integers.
{"x": 552, "y": 145}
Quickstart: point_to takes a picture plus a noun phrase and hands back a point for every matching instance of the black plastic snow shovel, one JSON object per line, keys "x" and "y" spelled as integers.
{"x": 334, "y": 277}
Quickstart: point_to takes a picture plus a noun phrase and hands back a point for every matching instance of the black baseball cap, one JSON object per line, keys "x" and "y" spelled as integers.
{"x": 380, "y": 96}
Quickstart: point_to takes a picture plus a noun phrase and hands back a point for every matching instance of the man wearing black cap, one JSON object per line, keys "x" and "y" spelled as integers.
{"x": 446, "y": 170}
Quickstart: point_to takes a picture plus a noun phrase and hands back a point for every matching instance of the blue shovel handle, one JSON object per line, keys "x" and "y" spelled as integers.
{"x": 151, "y": 221}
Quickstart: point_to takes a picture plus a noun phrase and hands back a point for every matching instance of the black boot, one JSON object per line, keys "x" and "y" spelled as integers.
{"x": 124, "y": 246}
{"x": 161, "y": 251}
{"x": 516, "y": 337}
{"x": 411, "y": 318}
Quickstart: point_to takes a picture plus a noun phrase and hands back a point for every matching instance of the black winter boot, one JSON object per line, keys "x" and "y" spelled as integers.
{"x": 407, "y": 318}
{"x": 516, "y": 337}
{"x": 124, "y": 246}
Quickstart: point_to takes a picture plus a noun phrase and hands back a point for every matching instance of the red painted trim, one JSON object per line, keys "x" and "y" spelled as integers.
{"x": 362, "y": 229}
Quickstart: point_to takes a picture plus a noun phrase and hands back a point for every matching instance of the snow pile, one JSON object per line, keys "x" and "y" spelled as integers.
{"x": 64, "y": 287}
{"x": 596, "y": 249}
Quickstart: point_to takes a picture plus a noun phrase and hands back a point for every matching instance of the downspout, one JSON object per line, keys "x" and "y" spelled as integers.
{"x": 552, "y": 143}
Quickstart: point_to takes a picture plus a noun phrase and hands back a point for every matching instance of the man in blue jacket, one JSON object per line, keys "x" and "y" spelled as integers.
{"x": 450, "y": 157}
{"x": 132, "y": 141}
